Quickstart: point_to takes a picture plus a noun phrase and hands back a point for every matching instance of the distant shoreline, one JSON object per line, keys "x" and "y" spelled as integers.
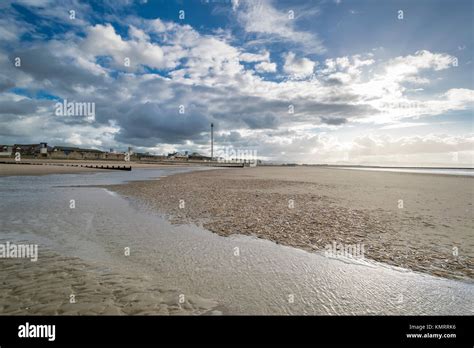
{"x": 57, "y": 167}
{"x": 459, "y": 171}
{"x": 358, "y": 166}
{"x": 425, "y": 171}
{"x": 401, "y": 167}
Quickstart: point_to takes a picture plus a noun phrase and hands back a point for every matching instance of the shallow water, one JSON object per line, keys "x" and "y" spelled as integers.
{"x": 260, "y": 277}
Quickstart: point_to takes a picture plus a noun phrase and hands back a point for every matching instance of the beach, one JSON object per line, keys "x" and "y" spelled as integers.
{"x": 60, "y": 285}
{"x": 415, "y": 221}
{"x": 71, "y": 274}
{"x": 205, "y": 241}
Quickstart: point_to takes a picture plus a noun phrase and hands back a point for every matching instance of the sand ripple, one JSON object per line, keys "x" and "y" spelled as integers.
{"x": 45, "y": 287}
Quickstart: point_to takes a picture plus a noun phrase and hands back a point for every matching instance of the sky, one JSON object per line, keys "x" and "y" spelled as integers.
{"x": 331, "y": 81}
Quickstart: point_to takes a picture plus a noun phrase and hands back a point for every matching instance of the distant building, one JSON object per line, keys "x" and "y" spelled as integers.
{"x": 26, "y": 150}
{"x": 177, "y": 156}
{"x": 149, "y": 157}
{"x": 114, "y": 156}
{"x": 68, "y": 152}
{"x": 92, "y": 154}
{"x": 6, "y": 150}
{"x": 198, "y": 157}
{"x": 43, "y": 150}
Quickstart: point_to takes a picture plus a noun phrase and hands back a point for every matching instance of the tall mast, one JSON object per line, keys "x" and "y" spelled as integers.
{"x": 212, "y": 141}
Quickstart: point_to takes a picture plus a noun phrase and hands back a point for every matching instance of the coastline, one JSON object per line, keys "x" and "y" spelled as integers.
{"x": 58, "y": 167}
{"x": 311, "y": 208}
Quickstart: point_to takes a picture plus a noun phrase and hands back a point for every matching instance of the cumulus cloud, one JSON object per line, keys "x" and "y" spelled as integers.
{"x": 299, "y": 67}
{"x": 344, "y": 70}
{"x": 102, "y": 40}
{"x": 264, "y": 67}
{"x": 255, "y": 57}
{"x": 408, "y": 67}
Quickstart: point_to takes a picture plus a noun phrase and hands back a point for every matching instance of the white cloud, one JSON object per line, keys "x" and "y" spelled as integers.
{"x": 298, "y": 67}
{"x": 408, "y": 67}
{"x": 235, "y": 4}
{"x": 255, "y": 57}
{"x": 103, "y": 40}
{"x": 264, "y": 67}
{"x": 159, "y": 26}
{"x": 138, "y": 34}
{"x": 263, "y": 18}
{"x": 404, "y": 125}
{"x": 460, "y": 95}
{"x": 344, "y": 70}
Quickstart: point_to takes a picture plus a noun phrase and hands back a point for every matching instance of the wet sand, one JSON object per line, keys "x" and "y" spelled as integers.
{"x": 25, "y": 169}
{"x": 57, "y": 167}
{"x": 415, "y": 221}
{"x": 45, "y": 287}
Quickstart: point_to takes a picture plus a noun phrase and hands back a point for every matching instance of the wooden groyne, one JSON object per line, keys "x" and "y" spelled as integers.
{"x": 227, "y": 165}
{"x": 127, "y": 168}
{"x": 95, "y": 166}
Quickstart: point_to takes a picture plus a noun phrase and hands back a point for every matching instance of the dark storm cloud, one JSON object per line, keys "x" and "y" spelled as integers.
{"x": 231, "y": 137}
{"x": 20, "y": 107}
{"x": 267, "y": 121}
{"x": 44, "y": 66}
{"x": 150, "y": 123}
{"x": 334, "y": 81}
{"x": 259, "y": 113}
{"x": 237, "y": 111}
{"x": 6, "y": 83}
{"x": 332, "y": 114}
{"x": 336, "y": 121}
